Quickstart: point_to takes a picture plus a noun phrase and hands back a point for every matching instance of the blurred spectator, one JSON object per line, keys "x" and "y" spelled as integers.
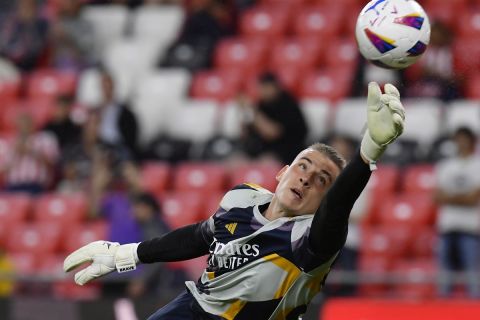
{"x": 62, "y": 126}
{"x": 116, "y": 195}
{"x": 6, "y": 269}
{"x": 23, "y": 35}
{"x": 118, "y": 130}
{"x": 72, "y": 37}
{"x": 275, "y": 127}
{"x": 111, "y": 191}
{"x": 458, "y": 198}
{"x": 348, "y": 258}
{"x": 72, "y": 181}
{"x": 208, "y": 22}
{"x": 152, "y": 279}
{"x": 242, "y": 5}
{"x": 30, "y": 162}
{"x": 433, "y": 75}
{"x": 77, "y": 158}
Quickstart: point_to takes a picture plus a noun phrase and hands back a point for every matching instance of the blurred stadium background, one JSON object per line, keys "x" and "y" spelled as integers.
{"x": 180, "y": 66}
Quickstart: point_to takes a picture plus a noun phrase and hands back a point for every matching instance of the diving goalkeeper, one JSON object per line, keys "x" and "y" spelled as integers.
{"x": 269, "y": 253}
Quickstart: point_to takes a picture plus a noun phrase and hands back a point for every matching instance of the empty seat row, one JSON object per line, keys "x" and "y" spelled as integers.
{"x": 327, "y": 18}
{"x": 63, "y": 209}
{"x": 46, "y": 237}
{"x": 157, "y": 24}
{"x": 209, "y": 177}
{"x": 412, "y": 278}
{"x": 398, "y": 242}
{"x": 427, "y": 121}
{"x": 205, "y": 119}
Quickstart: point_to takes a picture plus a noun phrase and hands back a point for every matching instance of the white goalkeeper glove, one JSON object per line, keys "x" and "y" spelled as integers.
{"x": 385, "y": 121}
{"x": 105, "y": 257}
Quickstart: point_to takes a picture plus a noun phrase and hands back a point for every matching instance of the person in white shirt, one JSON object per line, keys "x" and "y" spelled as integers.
{"x": 458, "y": 198}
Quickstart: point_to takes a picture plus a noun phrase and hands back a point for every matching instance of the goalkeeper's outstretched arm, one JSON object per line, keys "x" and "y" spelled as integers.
{"x": 184, "y": 243}
{"x": 385, "y": 122}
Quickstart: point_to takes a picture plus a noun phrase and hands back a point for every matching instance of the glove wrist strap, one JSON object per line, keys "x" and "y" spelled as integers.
{"x": 371, "y": 150}
{"x": 126, "y": 258}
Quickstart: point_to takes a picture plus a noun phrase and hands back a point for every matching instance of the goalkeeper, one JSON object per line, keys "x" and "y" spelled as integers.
{"x": 269, "y": 253}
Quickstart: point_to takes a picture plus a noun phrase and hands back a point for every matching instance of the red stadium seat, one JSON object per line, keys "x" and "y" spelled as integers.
{"x": 208, "y": 177}
{"x": 9, "y": 90}
{"x": 347, "y": 9}
{"x": 466, "y": 50}
{"x": 61, "y": 208}
{"x": 51, "y": 265}
{"x": 383, "y": 184}
{"x": 241, "y": 53}
{"x": 373, "y": 267}
{"x": 291, "y": 4}
{"x": 262, "y": 174}
{"x": 419, "y": 179}
{"x": 385, "y": 241}
{"x": 317, "y": 21}
{"x": 300, "y": 53}
{"x": 3, "y": 234}
{"x": 445, "y": 11}
{"x": 193, "y": 267}
{"x": 14, "y": 208}
{"x": 25, "y": 264}
{"x": 155, "y": 177}
{"x": 330, "y": 84}
{"x": 424, "y": 243}
{"x": 289, "y": 77}
{"x": 41, "y": 111}
{"x": 211, "y": 203}
{"x": 181, "y": 208}
{"x": 268, "y": 22}
{"x": 50, "y": 83}
{"x": 416, "y": 272}
{"x": 468, "y": 24}
{"x": 36, "y": 238}
{"x": 342, "y": 53}
{"x": 472, "y": 87}
{"x": 384, "y": 180}
{"x": 82, "y": 234}
{"x": 407, "y": 209}
{"x": 220, "y": 85}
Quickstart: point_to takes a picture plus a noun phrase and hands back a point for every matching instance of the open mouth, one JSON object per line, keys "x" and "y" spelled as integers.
{"x": 297, "y": 193}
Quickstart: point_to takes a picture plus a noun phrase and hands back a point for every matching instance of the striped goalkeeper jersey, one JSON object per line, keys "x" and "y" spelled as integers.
{"x": 258, "y": 269}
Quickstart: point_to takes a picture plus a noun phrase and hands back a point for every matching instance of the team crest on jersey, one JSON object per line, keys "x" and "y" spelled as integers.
{"x": 231, "y": 227}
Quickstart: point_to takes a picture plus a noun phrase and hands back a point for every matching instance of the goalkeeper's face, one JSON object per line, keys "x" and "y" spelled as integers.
{"x": 302, "y": 184}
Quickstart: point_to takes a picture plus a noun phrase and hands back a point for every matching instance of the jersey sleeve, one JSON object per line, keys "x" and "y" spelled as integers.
{"x": 181, "y": 244}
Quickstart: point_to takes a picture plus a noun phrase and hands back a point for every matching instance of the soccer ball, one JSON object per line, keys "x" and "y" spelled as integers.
{"x": 392, "y": 34}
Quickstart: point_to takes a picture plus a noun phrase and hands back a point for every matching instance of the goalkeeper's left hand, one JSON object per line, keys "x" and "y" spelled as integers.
{"x": 385, "y": 121}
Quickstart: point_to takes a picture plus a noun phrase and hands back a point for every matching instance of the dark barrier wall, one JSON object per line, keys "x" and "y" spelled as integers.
{"x": 26, "y": 308}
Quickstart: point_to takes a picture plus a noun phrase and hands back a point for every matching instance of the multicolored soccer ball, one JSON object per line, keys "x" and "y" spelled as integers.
{"x": 392, "y": 33}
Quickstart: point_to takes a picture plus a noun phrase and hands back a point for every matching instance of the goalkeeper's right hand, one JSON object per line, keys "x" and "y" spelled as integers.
{"x": 105, "y": 257}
